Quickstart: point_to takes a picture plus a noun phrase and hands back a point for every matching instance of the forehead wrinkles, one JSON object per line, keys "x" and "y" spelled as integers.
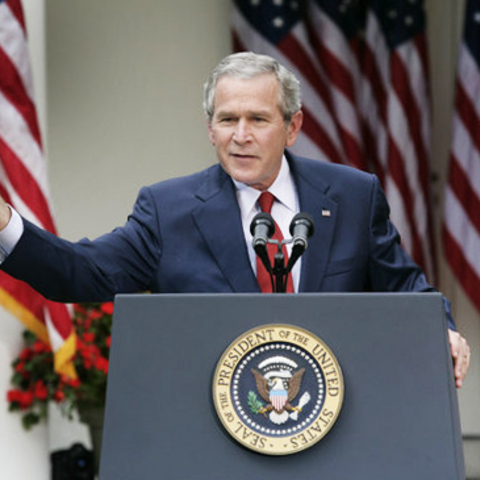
{"x": 257, "y": 94}
{"x": 246, "y": 112}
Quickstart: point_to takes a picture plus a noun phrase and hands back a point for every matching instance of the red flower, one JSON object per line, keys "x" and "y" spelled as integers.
{"x": 87, "y": 350}
{"x": 107, "y": 308}
{"x": 89, "y": 337}
{"x": 88, "y": 353}
{"x": 58, "y": 396}
{"x": 81, "y": 309}
{"x": 74, "y": 382}
{"x": 40, "y": 347}
{"x": 108, "y": 341}
{"x": 95, "y": 314}
{"x": 26, "y": 354}
{"x": 13, "y": 396}
{"x": 40, "y": 390}
{"x": 20, "y": 367}
{"x": 24, "y": 399}
{"x": 101, "y": 364}
{"x": 70, "y": 382}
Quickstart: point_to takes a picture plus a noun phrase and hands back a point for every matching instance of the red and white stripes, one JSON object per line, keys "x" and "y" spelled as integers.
{"x": 366, "y": 103}
{"x": 23, "y": 181}
{"x": 461, "y": 228}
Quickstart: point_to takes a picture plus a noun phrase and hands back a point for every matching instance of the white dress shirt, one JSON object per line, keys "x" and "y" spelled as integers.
{"x": 285, "y": 207}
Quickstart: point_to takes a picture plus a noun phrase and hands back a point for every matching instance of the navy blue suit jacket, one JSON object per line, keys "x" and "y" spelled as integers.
{"x": 185, "y": 235}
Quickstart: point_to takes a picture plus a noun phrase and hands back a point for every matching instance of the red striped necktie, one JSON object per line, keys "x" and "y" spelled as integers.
{"x": 265, "y": 201}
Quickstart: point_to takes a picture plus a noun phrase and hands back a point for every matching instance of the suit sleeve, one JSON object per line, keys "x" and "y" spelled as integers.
{"x": 391, "y": 268}
{"x": 123, "y": 261}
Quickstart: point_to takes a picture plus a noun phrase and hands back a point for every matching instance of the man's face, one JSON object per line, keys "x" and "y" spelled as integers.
{"x": 248, "y": 130}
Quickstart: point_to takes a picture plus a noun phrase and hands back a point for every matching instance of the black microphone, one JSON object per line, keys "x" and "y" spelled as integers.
{"x": 301, "y": 228}
{"x": 262, "y": 228}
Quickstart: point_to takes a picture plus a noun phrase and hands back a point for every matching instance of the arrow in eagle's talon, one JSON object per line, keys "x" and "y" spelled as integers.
{"x": 304, "y": 399}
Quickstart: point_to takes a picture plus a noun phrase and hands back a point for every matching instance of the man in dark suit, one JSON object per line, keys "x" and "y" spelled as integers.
{"x": 192, "y": 234}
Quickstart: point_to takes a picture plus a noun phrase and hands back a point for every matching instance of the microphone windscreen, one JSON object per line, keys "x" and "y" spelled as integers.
{"x": 265, "y": 219}
{"x": 303, "y": 219}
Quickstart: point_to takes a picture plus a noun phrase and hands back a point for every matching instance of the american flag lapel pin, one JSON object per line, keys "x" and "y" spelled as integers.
{"x": 326, "y": 213}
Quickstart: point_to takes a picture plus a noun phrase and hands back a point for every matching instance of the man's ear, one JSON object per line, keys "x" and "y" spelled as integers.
{"x": 294, "y": 128}
{"x": 211, "y": 134}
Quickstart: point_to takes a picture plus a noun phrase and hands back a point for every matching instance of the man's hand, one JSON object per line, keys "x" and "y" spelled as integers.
{"x": 461, "y": 356}
{"x": 5, "y": 214}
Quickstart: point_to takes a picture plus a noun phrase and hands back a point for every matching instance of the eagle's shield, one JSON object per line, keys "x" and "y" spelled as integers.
{"x": 278, "y": 399}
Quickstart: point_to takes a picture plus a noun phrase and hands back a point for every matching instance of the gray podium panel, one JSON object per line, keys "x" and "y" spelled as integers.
{"x": 399, "y": 418}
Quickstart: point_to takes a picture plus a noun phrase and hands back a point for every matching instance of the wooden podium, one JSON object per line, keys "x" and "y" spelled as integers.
{"x": 399, "y": 418}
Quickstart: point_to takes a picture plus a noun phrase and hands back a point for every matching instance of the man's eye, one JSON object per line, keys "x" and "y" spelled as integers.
{"x": 226, "y": 120}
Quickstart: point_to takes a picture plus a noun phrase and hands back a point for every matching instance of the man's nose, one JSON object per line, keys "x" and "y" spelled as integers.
{"x": 242, "y": 131}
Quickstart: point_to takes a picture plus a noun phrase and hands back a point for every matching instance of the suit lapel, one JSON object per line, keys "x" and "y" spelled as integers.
{"x": 312, "y": 191}
{"x": 218, "y": 219}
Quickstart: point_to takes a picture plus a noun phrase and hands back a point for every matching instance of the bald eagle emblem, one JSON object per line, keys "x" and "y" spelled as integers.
{"x": 278, "y": 381}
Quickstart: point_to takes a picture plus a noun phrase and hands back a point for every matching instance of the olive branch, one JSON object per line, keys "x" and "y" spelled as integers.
{"x": 256, "y": 406}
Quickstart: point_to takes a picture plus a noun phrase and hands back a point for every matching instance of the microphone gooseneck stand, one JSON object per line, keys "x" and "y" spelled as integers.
{"x": 263, "y": 228}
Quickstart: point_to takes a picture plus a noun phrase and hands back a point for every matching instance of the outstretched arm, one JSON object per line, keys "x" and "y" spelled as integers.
{"x": 122, "y": 261}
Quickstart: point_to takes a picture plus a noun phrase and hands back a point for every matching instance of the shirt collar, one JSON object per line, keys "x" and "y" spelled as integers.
{"x": 283, "y": 188}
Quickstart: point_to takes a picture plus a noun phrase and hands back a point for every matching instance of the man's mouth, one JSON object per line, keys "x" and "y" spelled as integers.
{"x": 242, "y": 156}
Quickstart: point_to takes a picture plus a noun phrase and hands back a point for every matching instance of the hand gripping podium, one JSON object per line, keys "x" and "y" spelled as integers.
{"x": 399, "y": 417}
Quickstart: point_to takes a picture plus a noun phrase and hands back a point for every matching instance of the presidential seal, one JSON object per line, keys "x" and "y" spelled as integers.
{"x": 278, "y": 389}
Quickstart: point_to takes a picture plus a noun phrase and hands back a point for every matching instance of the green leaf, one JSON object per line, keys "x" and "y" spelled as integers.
{"x": 253, "y": 402}
{"x": 30, "y": 419}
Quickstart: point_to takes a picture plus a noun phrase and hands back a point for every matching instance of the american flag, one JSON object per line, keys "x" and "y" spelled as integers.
{"x": 363, "y": 69}
{"x": 461, "y": 227}
{"x": 23, "y": 183}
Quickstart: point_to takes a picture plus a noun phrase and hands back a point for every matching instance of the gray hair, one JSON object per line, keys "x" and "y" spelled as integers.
{"x": 250, "y": 65}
